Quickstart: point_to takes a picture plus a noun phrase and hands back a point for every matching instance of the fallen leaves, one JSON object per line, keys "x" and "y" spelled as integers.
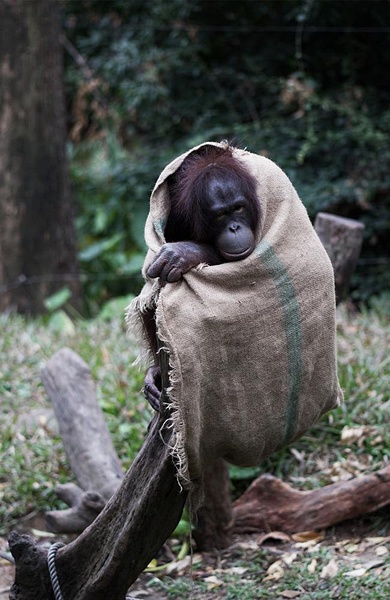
{"x": 312, "y": 566}
{"x": 287, "y": 566}
{"x": 352, "y": 435}
{"x": 330, "y": 570}
{"x": 213, "y": 582}
{"x": 276, "y": 570}
{"x": 330, "y": 560}
{"x": 278, "y": 536}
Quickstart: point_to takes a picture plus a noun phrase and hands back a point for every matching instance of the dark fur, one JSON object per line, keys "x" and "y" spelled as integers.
{"x": 188, "y": 219}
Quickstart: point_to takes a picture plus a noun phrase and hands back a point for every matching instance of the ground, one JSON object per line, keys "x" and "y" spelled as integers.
{"x": 351, "y": 560}
{"x": 348, "y": 562}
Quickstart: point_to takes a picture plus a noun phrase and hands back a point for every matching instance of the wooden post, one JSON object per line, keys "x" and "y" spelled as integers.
{"x": 342, "y": 239}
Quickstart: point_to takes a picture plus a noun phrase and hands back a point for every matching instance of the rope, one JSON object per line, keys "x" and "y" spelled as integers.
{"x": 51, "y": 557}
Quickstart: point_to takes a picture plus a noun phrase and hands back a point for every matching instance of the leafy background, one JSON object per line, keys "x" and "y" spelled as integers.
{"x": 304, "y": 82}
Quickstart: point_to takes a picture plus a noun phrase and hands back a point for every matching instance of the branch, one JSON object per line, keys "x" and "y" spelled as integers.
{"x": 270, "y": 504}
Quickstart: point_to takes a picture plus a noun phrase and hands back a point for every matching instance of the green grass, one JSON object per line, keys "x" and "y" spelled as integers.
{"x": 322, "y": 571}
{"x": 33, "y": 460}
{"x": 32, "y": 457}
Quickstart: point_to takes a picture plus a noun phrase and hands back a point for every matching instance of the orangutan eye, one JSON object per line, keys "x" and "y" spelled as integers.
{"x": 239, "y": 209}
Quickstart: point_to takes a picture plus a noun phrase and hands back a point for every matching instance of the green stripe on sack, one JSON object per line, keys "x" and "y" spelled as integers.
{"x": 292, "y": 325}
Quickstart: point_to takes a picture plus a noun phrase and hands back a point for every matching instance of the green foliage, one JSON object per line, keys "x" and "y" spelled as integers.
{"x": 112, "y": 190}
{"x": 299, "y": 81}
{"x": 57, "y": 300}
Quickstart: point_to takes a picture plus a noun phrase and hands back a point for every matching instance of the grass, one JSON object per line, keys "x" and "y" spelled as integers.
{"x": 32, "y": 456}
{"x": 351, "y": 440}
{"x": 317, "y": 569}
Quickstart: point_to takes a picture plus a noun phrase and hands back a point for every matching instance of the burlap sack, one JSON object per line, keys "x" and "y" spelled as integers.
{"x": 252, "y": 343}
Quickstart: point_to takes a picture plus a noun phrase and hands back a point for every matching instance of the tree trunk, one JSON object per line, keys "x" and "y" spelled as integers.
{"x": 109, "y": 555}
{"x": 37, "y": 239}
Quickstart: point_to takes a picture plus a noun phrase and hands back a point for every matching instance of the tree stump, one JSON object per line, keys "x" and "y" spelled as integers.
{"x": 342, "y": 239}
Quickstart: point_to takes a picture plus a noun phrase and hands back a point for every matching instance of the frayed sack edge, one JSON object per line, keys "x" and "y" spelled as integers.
{"x": 138, "y": 306}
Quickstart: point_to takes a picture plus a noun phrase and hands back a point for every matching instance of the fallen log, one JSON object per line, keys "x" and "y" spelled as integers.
{"x": 110, "y": 554}
{"x": 269, "y": 504}
{"x": 87, "y": 442}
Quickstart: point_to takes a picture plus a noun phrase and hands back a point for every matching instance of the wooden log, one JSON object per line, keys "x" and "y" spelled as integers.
{"x": 87, "y": 441}
{"x": 269, "y": 504}
{"x": 110, "y": 554}
{"x": 85, "y": 506}
{"x": 342, "y": 239}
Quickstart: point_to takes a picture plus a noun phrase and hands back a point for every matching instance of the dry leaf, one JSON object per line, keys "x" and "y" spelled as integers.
{"x": 289, "y": 557}
{"x": 330, "y": 570}
{"x": 290, "y": 594}
{"x": 274, "y": 571}
{"x": 278, "y": 536}
{"x": 310, "y": 544}
{"x": 313, "y": 565}
{"x": 178, "y": 566}
{"x": 251, "y": 545}
{"x": 306, "y": 536}
{"x": 236, "y": 570}
{"x": 356, "y": 572}
{"x": 352, "y": 548}
{"x": 373, "y": 541}
{"x": 371, "y": 564}
{"x": 381, "y": 551}
{"x": 349, "y": 435}
{"x": 213, "y": 582}
{"x": 300, "y": 456}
